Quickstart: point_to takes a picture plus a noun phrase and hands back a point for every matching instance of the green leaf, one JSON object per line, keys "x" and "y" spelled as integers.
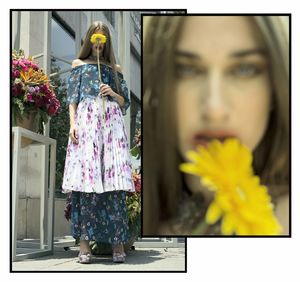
{"x": 135, "y": 151}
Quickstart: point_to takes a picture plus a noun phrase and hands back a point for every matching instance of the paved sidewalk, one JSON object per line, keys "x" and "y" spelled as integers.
{"x": 140, "y": 259}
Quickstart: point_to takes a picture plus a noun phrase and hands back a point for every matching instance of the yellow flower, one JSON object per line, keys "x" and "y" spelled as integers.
{"x": 98, "y": 38}
{"x": 240, "y": 201}
{"x": 33, "y": 77}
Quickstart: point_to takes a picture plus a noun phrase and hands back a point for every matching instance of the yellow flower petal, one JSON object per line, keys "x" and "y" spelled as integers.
{"x": 189, "y": 168}
{"x": 99, "y": 38}
{"x": 228, "y": 224}
{"x": 213, "y": 213}
{"x": 208, "y": 183}
{"x": 193, "y": 156}
{"x": 240, "y": 199}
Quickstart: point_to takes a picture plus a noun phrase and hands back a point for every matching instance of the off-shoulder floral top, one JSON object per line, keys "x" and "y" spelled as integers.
{"x": 83, "y": 82}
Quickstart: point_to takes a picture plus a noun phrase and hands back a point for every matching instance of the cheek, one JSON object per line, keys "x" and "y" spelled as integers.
{"x": 187, "y": 114}
{"x": 253, "y": 116}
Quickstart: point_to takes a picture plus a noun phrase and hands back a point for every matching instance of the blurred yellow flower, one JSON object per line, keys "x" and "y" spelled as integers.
{"x": 240, "y": 201}
{"x": 98, "y": 38}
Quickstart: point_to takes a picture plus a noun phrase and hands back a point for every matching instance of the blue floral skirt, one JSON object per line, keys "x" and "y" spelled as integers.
{"x": 100, "y": 217}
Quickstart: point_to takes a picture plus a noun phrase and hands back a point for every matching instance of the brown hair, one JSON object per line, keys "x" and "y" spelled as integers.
{"x": 162, "y": 182}
{"x": 108, "y": 56}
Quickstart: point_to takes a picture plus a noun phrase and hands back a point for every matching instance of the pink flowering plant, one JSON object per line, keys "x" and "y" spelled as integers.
{"x": 136, "y": 150}
{"x": 31, "y": 91}
{"x": 134, "y": 199}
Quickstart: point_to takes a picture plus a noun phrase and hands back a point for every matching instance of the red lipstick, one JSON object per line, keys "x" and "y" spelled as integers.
{"x": 204, "y": 137}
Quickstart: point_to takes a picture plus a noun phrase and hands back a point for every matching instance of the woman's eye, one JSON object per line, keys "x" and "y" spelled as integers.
{"x": 246, "y": 70}
{"x": 188, "y": 70}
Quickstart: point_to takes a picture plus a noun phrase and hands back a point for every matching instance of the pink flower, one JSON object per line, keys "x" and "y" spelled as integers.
{"x": 15, "y": 74}
{"x": 29, "y": 97}
{"x": 52, "y": 110}
{"x": 30, "y": 93}
{"x": 137, "y": 182}
{"x": 22, "y": 65}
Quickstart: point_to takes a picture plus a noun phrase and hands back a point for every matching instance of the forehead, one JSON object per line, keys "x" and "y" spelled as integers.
{"x": 219, "y": 34}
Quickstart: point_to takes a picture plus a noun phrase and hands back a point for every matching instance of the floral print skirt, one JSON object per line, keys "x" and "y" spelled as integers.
{"x": 101, "y": 161}
{"x": 100, "y": 217}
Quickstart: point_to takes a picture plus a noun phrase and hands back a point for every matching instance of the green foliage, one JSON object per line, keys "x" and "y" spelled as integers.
{"x": 133, "y": 206}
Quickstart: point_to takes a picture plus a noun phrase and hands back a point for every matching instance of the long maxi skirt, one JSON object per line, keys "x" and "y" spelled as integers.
{"x": 98, "y": 173}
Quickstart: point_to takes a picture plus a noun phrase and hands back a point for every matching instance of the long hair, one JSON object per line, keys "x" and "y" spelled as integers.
{"x": 108, "y": 56}
{"x": 162, "y": 181}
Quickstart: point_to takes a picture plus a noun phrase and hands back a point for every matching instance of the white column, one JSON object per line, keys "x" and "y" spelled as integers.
{"x": 24, "y": 32}
{"x": 47, "y": 54}
{"x": 45, "y": 148}
{"x": 16, "y": 27}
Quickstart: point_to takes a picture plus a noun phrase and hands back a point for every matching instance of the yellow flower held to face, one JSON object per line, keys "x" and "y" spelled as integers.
{"x": 98, "y": 38}
{"x": 240, "y": 201}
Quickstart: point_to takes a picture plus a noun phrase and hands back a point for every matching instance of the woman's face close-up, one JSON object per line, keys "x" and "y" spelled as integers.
{"x": 223, "y": 81}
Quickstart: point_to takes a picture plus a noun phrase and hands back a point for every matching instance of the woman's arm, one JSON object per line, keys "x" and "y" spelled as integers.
{"x": 72, "y": 111}
{"x": 119, "y": 99}
{"x": 73, "y": 106}
{"x": 107, "y": 91}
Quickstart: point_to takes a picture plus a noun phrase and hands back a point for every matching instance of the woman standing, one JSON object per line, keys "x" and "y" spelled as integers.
{"x": 98, "y": 167}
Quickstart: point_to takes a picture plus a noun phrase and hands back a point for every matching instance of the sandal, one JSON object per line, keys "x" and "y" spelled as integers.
{"x": 85, "y": 258}
{"x": 118, "y": 257}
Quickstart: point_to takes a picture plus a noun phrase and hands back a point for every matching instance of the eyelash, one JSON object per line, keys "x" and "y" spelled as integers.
{"x": 252, "y": 70}
{"x": 186, "y": 70}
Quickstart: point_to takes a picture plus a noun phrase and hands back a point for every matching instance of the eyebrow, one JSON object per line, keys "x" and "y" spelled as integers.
{"x": 237, "y": 54}
{"x": 248, "y": 52}
{"x": 187, "y": 54}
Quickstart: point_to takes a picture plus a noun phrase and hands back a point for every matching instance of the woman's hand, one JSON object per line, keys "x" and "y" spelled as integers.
{"x": 106, "y": 90}
{"x": 73, "y": 134}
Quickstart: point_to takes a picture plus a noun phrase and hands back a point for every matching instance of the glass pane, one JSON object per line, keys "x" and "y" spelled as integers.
{"x": 62, "y": 46}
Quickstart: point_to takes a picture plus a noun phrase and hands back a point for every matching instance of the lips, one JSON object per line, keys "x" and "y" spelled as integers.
{"x": 204, "y": 137}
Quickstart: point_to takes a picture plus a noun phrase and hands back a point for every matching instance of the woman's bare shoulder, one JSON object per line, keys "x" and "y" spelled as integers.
{"x": 77, "y": 62}
{"x": 118, "y": 68}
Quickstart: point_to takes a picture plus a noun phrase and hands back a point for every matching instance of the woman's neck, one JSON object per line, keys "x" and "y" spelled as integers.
{"x": 94, "y": 55}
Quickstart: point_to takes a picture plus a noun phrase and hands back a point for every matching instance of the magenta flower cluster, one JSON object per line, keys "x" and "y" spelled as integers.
{"x": 34, "y": 95}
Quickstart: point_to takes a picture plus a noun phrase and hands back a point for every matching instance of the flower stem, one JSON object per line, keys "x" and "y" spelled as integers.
{"x": 99, "y": 76}
{"x": 200, "y": 229}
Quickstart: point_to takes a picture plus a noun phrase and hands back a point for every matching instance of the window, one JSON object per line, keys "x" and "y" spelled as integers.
{"x": 62, "y": 54}
{"x": 110, "y": 17}
{"x": 62, "y": 46}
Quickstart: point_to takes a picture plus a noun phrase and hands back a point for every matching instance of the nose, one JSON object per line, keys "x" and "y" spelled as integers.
{"x": 215, "y": 104}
